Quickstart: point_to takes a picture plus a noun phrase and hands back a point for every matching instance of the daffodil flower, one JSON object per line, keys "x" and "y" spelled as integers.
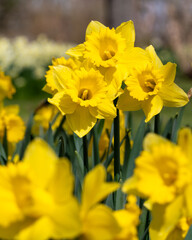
{"x": 151, "y": 86}
{"x": 6, "y": 87}
{"x": 163, "y": 176}
{"x": 82, "y": 97}
{"x": 36, "y": 197}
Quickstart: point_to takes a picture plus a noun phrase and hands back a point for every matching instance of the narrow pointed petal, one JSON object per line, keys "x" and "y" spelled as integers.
{"x": 128, "y": 103}
{"x": 40, "y": 158}
{"x": 81, "y": 121}
{"x": 188, "y": 197}
{"x": 152, "y": 107}
{"x": 185, "y": 141}
{"x": 95, "y": 184}
{"x": 173, "y": 96}
{"x": 169, "y": 72}
{"x": 63, "y": 102}
{"x": 127, "y": 31}
{"x": 77, "y": 51}
{"x": 107, "y": 109}
{"x": 165, "y": 219}
{"x": 100, "y": 224}
{"x": 156, "y": 61}
{"x": 94, "y": 26}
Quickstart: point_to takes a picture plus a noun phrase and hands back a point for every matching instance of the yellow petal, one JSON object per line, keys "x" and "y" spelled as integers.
{"x": 127, "y": 31}
{"x": 41, "y": 160}
{"x": 134, "y": 57}
{"x": 13, "y": 229}
{"x": 152, "y": 139}
{"x": 61, "y": 75}
{"x": 100, "y": 224}
{"x": 168, "y": 71}
{"x": 62, "y": 184}
{"x": 185, "y": 141}
{"x": 41, "y": 229}
{"x": 107, "y": 109}
{"x": 173, "y": 96}
{"x": 63, "y": 102}
{"x": 66, "y": 220}
{"x": 12, "y": 109}
{"x": 76, "y": 51}
{"x": 81, "y": 121}
{"x": 156, "y": 61}
{"x": 95, "y": 184}
{"x": 94, "y": 26}
{"x": 165, "y": 218}
{"x": 15, "y": 128}
{"x": 152, "y": 107}
{"x": 128, "y": 103}
{"x": 188, "y": 197}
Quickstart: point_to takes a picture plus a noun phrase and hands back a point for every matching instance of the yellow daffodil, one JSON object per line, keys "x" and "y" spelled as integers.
{"x": 111, "y": 51}
{"x": 44, "y": 115}
{"x": 13, "y": 124}
{"x": 51, "y": 84}
{"x": 128, "y": 220}
{"x": 163, "y": 175}
{"x": 37, "y": 197}
{"x": 97, "y": 219}
{"x": 6, "y": 87}
{"x": 151, "y": 86}
{"x": 82, "y": 97}
{"x": 104, "y": 46}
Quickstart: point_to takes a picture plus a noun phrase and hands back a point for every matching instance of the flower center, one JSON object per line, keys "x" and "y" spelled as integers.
{"x": 147, "y": 81}
{"x": 168, "y": 171}
{"x": 85, "y": 94}
{"x": 21, "y": 188}
{"x": 108, "y": 54}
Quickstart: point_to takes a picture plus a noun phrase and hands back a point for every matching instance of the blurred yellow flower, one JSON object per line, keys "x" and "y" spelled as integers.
{"x": 181, "y": 229}
{"x": 97, "y": 219}
{"x": 82, "y": 98}
{"x": 151, "y": 86}
{"x": 13, "y": 124}
{"x": 37, "y": 197}
{"x": 6, "y": 87}
{"x": 128, "y": 220}
{"x": 163, "y": 175}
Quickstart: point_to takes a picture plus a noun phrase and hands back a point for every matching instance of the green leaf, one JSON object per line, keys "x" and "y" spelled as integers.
{"x": 137, "y": 147}
{"x": 176, "y": 124}
{"x": 144, "y": 224}
{"x": 27, "y": 137}
{"x": 49, "y": 136}
{"x": 189, "y": 234}
{"x": 168, "y": 129}
{"x": 120, "y": 199}
{"x": 79, "y": 167}
{"x": 2, "y": 152}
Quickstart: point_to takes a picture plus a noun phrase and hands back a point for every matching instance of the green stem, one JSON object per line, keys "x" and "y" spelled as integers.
{"x": 157, "y": 124}
{"x": 85, "y": 154}
{"x": 116, "y": 148}
{"x": 95, "y": 147}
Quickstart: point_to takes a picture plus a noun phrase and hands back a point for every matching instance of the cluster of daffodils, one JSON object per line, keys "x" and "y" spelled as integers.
{"x": 19, "y": 54}
{"x": 77, "y": 171}
{"x": 107, "y": 66}
{"x": 12, "y": 127}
